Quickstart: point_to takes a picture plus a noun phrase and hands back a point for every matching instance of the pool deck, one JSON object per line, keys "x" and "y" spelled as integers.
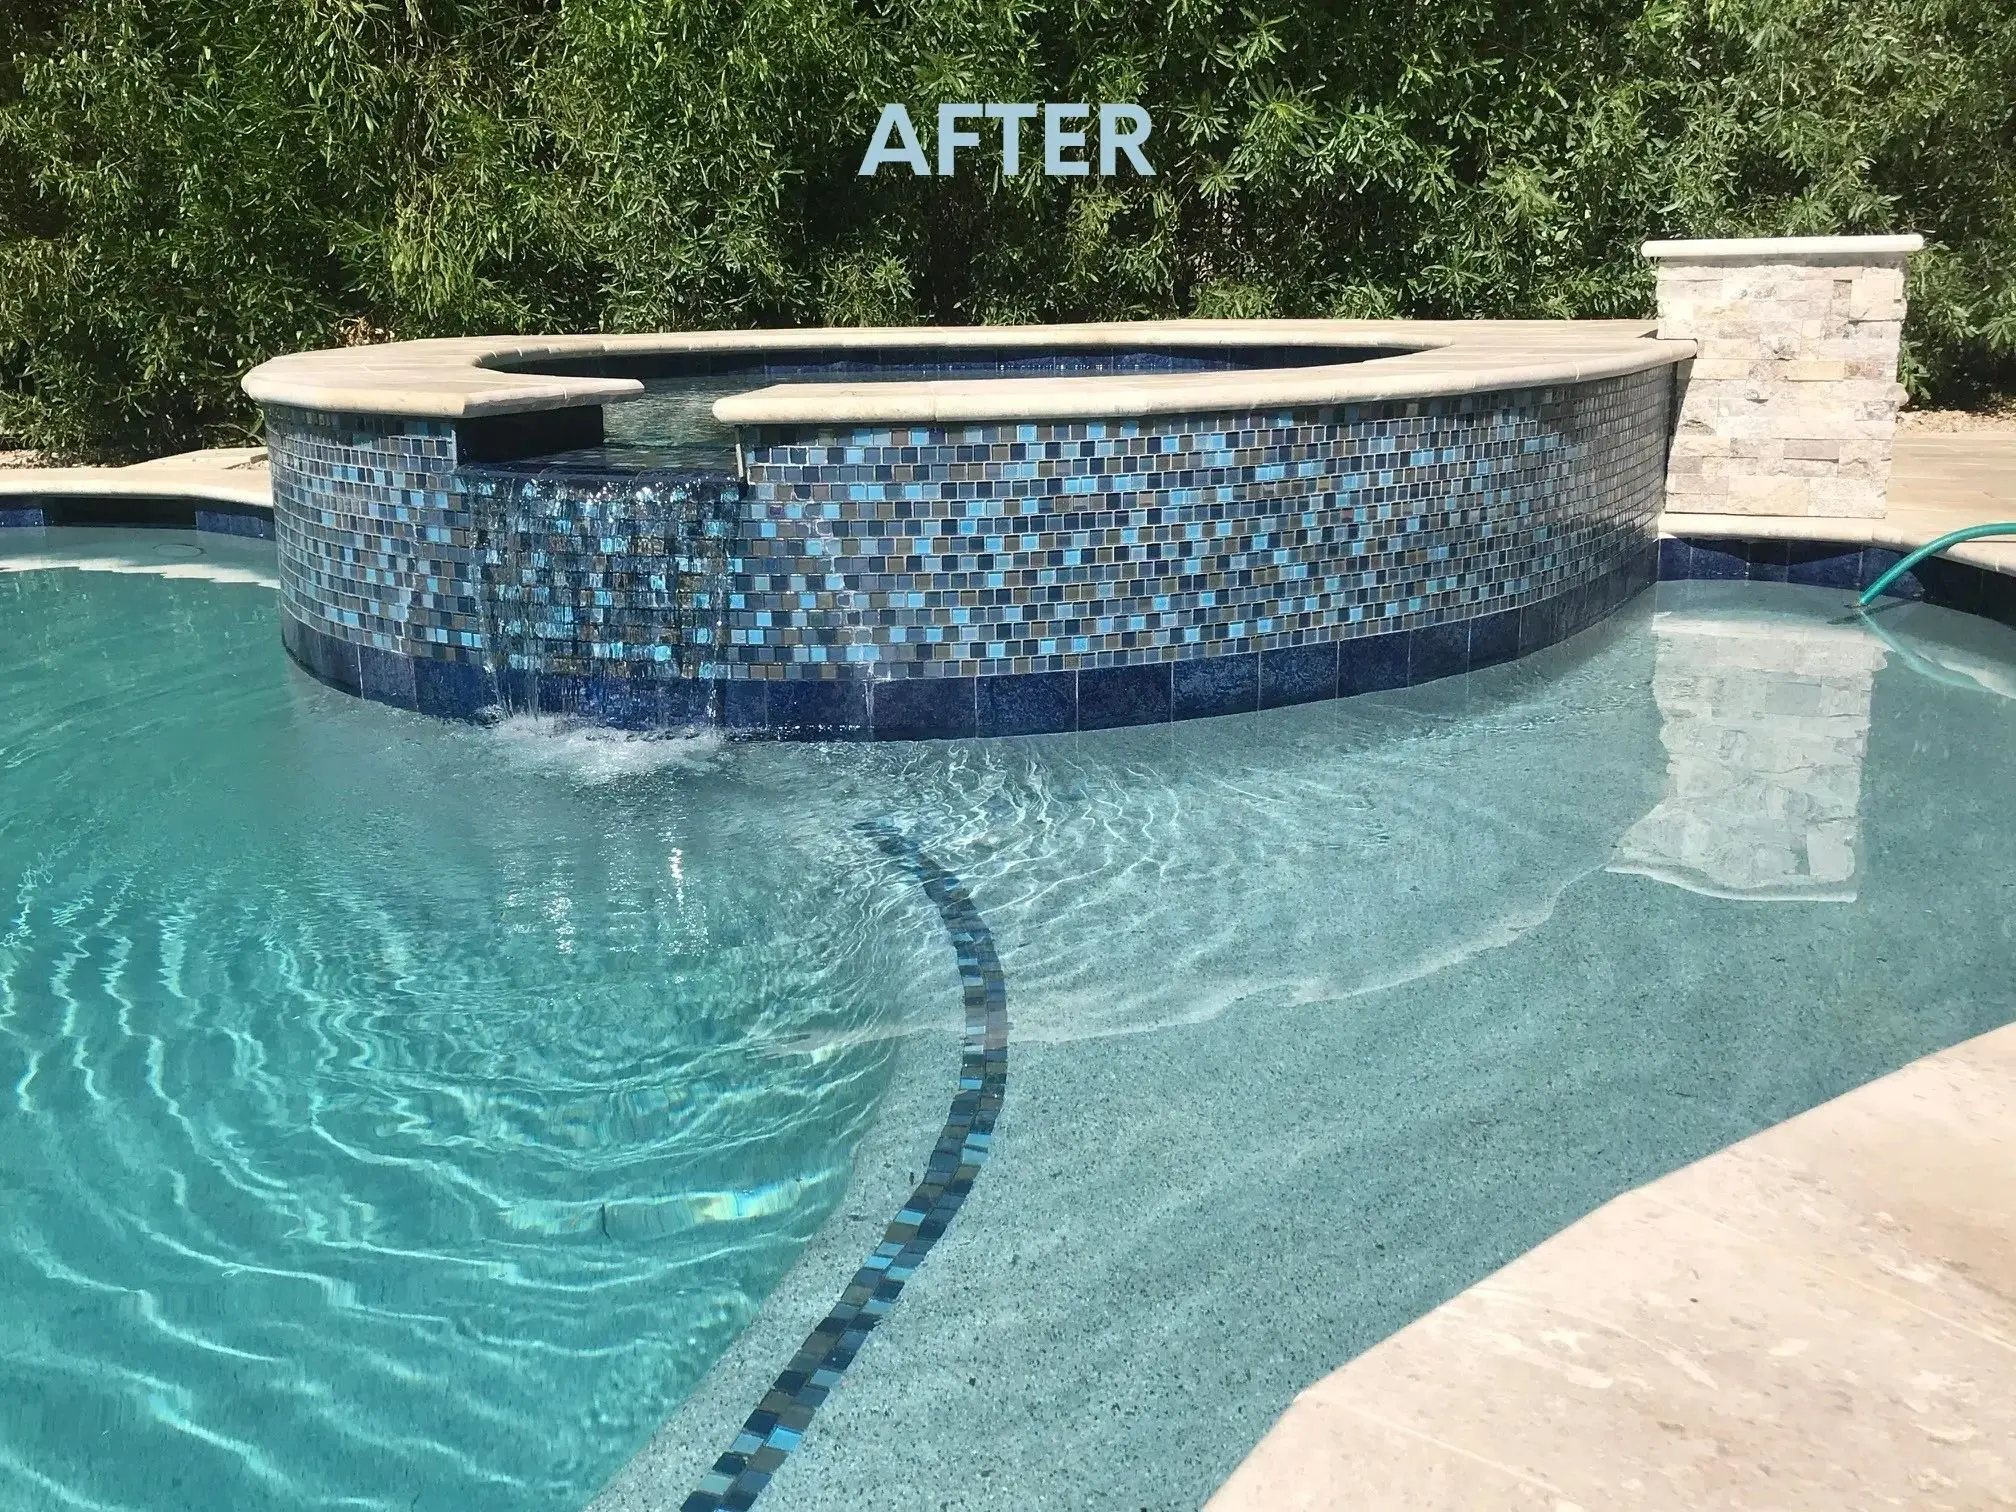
{"x": 1821, "y": 1316}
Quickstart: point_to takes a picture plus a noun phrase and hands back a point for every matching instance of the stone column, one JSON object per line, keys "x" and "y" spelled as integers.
{"x": 1791, "y": 401}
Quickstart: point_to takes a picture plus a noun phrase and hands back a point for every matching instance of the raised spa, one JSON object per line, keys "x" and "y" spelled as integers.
{"x": 943, "y": 533}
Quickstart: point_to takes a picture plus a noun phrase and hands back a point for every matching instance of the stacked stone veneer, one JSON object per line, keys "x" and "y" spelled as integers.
{"x": 1791, "y": 401}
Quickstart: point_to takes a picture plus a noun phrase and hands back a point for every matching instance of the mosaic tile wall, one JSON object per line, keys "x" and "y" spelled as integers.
{"x": 1009, "y": 578}
{"x": 1046, "y": 547}
{"x": 376, "y": 547}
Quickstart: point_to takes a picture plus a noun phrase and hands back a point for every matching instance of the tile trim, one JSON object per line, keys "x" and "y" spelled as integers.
{"x": 785, "y": 1412}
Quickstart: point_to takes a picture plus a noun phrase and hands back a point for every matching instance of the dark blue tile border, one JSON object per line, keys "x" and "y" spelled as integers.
{"x": 453, "y": 690}
{"x": 1298, "y": 675}
{"x": 1438, "y": 651}
{"x": 923, "y": 708}
{"x": 1215, "y": 685}
{"x": 324, "y": 657}
{"x": 784, "y": 1413}
{"x": 1494, "y": 638}
{"x": 255, "y": 525}
{"x": 1850, "y": 568}
{"x": 1813, "y": 564}
{"x": 1373, "y": 663}
{"x": 1042, "y": 703}
{"x": 1039, "y": 703}
{"x": 386, "y": 677}
{"x": 144, "y": 511}
{"x": 827, "y": 709}
{"x": 1110, "y": 697}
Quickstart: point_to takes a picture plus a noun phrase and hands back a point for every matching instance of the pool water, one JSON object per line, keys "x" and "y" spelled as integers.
{"x": 394, "y": 1114}
{"x": 404, "y": 1114}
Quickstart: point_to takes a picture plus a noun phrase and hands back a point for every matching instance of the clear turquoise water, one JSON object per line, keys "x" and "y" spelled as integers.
{"x": 391, "y": 1115}
{"x": 405, "y": 1115}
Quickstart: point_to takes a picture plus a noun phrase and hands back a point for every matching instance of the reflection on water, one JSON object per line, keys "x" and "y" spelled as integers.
{"x": 1765, "y": 720}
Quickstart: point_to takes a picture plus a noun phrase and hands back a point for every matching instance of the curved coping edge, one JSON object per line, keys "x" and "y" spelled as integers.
{"x": 463, "y": 377}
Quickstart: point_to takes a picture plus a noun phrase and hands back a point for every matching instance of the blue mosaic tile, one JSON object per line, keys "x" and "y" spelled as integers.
{"x": 1438, "y": 651}
{"x": 21, "y": 519}
{"x": 1297, "y": 675}
{"x": 1494, "y": 638}
{"x": 1109, "y": 697}
{"x": 256, "y": 525}
{"x": 785, "y": 1411}
{"x": 1210, "y": 686}
{"x": 986, "y": 550}
{"x": 1079, "y": 549}
{"x": 1038, "y": 703}
{"x": 924, "y": 708}
{"x": 1373, "y": 663}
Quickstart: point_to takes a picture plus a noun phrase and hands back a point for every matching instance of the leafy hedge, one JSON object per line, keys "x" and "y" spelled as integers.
{"x": 189, "y": 186}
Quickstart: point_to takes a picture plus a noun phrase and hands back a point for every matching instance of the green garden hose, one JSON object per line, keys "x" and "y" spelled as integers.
{"x": 1930, "y": 548}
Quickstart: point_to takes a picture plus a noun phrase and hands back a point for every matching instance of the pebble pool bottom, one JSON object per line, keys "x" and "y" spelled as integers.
{"x": 399, "y": 1114}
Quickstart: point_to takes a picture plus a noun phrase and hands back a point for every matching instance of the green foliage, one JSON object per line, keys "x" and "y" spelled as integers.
{"x": 190, "y": 186}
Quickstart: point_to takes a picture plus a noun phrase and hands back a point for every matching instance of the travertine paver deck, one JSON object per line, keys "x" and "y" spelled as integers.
{"x": 1820, "y": 1317}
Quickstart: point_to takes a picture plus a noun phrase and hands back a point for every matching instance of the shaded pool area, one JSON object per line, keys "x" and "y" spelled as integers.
{"x": 1319, "y": 1015}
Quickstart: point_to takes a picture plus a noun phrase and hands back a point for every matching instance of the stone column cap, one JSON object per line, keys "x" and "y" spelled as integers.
{"x": 1783, "y": 248}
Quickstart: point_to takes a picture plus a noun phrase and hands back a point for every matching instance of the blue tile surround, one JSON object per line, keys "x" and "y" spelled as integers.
{"x": 781, "y": 1417}
{"x": 183, "y": 514}
{"x": 984, "y": 579}
{"x": 1844, "y": 565}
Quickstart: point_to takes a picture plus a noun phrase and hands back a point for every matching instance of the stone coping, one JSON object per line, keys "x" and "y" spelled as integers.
{"x": 224, "y": 475}
{"x": 1817, "y": 1317}
{"x": 461, "y": 377}
{"x": 1783, "y": 248}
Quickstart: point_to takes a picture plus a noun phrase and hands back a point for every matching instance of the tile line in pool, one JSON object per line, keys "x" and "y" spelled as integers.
{"x": 779, "y": 1422}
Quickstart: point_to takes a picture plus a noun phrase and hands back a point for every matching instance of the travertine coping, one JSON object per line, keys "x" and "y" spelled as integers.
{"x": 1782, "y": 248}
{"x": 224, "y": 475}
{"x": 455, "y": 378}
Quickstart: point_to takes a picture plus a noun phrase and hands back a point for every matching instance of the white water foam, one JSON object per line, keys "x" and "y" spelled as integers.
{"x": 589, "y": 755}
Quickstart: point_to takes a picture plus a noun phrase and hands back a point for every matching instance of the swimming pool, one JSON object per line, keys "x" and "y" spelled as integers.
{"x": 410, "y": 1114}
